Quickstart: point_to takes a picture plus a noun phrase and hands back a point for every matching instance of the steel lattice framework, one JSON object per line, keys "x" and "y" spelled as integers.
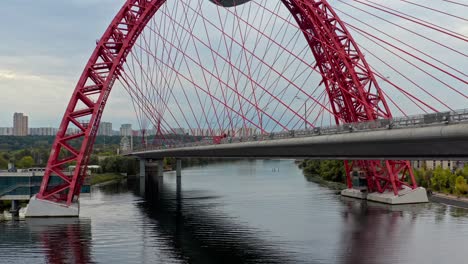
{"x": 353, "y": 92}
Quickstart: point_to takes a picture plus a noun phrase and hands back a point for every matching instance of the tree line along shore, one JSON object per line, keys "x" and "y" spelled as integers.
{"x": 453, "y": 182}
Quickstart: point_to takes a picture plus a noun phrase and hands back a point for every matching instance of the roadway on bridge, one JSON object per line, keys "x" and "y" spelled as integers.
{"x": 416, "y": 143}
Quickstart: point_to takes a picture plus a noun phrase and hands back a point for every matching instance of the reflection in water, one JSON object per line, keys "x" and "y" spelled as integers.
{"x": 369, "y": 229}
{"x": 60, "y": 240}
{"x": 201, "y": 235}
{"x": 65, "y": 240}
{"x": 458, "y": 213}
{"x": 238, "y": 212}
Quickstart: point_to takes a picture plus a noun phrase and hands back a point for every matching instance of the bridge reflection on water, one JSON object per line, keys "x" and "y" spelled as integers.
{"x": 238, "y": 212}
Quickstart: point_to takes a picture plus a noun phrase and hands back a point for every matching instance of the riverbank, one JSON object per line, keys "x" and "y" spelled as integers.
{"x": 442, "y": 198}
{"x": 449, "y": 199}
{"x": 99, "y": 179}
{"x": 337, "y": 186}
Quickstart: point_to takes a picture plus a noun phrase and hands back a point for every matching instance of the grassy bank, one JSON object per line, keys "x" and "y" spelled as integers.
{"x": 327, "y": 170}
{"x": 338, "y": 186}
{"x": 106, "y": 177}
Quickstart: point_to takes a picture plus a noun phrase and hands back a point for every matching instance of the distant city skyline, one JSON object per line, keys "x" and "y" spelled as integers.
{"x": 20, "y": 127}
{"x": 40, "y": 75}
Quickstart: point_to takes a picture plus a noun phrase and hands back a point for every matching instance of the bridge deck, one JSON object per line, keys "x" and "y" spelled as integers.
{"x": 415, "y": 143}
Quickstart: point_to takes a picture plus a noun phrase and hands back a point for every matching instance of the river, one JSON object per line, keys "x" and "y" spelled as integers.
{"x": 238, "y": 212}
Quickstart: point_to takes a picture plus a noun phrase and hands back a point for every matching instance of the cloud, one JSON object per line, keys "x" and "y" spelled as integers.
{"x": 7, "y": 75}
{"x": 11, "y": 75}
{"x": 46, "y": 44}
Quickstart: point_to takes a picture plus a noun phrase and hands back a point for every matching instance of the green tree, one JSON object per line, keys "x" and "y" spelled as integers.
{"x": 465, "y": 171}
{"x": 460, "y": 186}
{"x": 119, "y": 164}
{"x": 439, "y": 179}
{"x": 3, "y": 162}
{"x": 25, "y": 162}
{"x": 332, "y": 170}
{"x": 451, "y": 180}
{"x": 423, "y": 177}
{"x": 312, "y": 167}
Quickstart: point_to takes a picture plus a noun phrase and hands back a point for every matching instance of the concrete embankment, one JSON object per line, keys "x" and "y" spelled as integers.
{"x": 449, "y": 200}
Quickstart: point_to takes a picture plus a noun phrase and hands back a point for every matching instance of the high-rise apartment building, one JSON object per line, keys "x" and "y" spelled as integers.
{"x": 105, "y": 129}
{"x": 6, "y": 131}
{"x": 20, "y": 124}
{"x": 43, "y": 131}
{"x": 433, "y": 164}
{"x": 126, "y": 130}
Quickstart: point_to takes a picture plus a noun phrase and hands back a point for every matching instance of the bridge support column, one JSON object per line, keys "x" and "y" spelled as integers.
{"x": 14, "y": 210}
{"x": 45, "y": 208}
{"x": 153, "y": 180}
{"x": 405, "y": 196}
{"x": 160, "y": 168}
{"x": 142, "y": 178}
{"x": 160, "y": 175}
{"x": 178, "y": 168}
{"x": 179, "y": 178}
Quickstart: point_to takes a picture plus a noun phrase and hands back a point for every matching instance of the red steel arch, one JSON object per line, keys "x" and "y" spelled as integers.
{"x": 352, "y": 89}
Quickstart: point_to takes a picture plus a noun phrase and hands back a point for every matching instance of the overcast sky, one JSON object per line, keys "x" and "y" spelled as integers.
{"x": 44, "y": 46}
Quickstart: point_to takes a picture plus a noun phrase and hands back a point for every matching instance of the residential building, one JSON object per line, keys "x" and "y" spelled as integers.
{"x": 178, "y": 131}
{"x": 433, "y": 164}
{"x": 246, "y": 132}
{"x": 43, "y": 131}
{"x": 200, "y": 132}
{"x": 6, "y": 131}
{"x": 126, "y": 130}
{"x": 105, "y": 129}
{"x": 20, "y": 124}
{"x": 72, "y": 131}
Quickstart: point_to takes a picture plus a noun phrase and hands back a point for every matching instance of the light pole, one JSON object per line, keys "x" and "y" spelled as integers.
{"x": 305, "y": 110}
{"x": 261, "y": 121}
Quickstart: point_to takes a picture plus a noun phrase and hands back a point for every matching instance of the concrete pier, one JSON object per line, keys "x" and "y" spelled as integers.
{"x": 44, "y": 208}
{"x": 160, "y": 168}
{"x": 142, "y": 178}
{"x": 405, "y": 196}
{"x": 179, "y": 179}
{"x": 151, "y": 178}
{"x": 179, "y": 168}
{"x": 14, "y": 210}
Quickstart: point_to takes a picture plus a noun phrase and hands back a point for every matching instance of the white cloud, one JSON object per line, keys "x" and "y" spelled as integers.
{"x": 7, "y": 75}
{"x": 39, "y": 68}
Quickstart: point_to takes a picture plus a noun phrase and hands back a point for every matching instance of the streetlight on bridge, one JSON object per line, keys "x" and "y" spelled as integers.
{"x": 261, "y": 116}
{"x": 305, "y": 110}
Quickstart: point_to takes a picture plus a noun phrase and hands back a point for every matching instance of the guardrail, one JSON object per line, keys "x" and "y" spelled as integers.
{"x": 433, "y": 119}
{"x": 14, "y": 187}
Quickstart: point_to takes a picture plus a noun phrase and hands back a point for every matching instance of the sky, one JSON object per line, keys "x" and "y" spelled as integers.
{"x": 44, "y": 46}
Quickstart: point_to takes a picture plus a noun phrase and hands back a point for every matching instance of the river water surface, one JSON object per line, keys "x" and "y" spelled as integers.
{"x": 238, "y": 212}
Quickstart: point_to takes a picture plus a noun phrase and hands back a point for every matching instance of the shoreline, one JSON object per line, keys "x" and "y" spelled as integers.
{"x": 108, "y": 182}
{"x": 449, "y": 199}
{"x": 441, "y": 198}
{"x": 336, "y": 186}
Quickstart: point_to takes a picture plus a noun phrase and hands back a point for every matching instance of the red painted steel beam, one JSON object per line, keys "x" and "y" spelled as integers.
{"x": 98, "y": 77}
{"x": 350, "y": 84}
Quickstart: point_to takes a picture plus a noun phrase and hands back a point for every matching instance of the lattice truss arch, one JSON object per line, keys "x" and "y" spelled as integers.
{"x": 89, "y": 99}
{"x": 354, "y": 94}
{"x": 350, "y": 84}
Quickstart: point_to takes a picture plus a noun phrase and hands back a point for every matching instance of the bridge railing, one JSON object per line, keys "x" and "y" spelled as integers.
{"x": 432, "y": 119}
